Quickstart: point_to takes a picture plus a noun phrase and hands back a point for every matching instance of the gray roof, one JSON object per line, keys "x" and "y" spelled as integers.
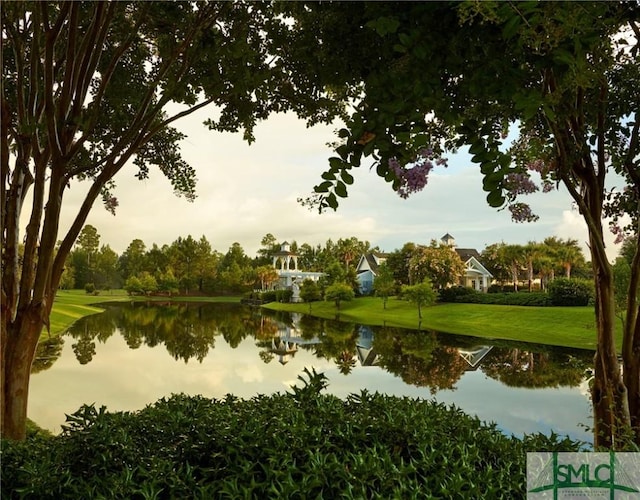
{"x": 466, "y": 253}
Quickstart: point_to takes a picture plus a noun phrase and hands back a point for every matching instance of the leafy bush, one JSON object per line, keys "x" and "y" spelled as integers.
{"x": 89, "y": 288}
{"x": 299, "y": 445}
{"x": 284, "y": 295}
{"x": 269, "y": 296}
{"x": 276, "y": 296}
{"x": 455, "y": 294}
{"x": 570, "y": 292}
{"x": 470, "y": 296}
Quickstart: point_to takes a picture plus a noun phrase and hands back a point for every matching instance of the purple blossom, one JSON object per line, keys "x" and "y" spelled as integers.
{"x": 537, "y": 166}
{"x": 519, "y": 183}
{"x": 521, "y": 212}
{"x": 547, "y": 186}
{"x": 414, "y": 178}
{"x": 618, "y": 231}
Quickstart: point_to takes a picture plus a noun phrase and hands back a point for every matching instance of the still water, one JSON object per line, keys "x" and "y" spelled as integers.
{"x": 132, "y": 355}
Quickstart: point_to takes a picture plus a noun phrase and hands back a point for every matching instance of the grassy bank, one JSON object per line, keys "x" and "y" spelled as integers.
{"x": 71, "y": 305}
{"x": 561, "y": 326}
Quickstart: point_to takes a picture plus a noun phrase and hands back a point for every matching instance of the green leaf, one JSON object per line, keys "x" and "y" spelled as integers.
{"x": 511, "y": 26}
{"x": 336, "y": 163}
{"x": 564, "y": 57}
{"x": 346, "y": 177}
{"x": 332, "y": 201}
{"x": 487, "y": 167}
{"x": 384, "y": 25}
{"x": 343, "y": 151}
{"x": 323, "y": 188}
{"x": 329, "y": 176}
{"x": 343, "y": 132}
{"x": 495, "y": 199}
{"x": 368, "y": 148}
{"x": 493, "y": 181}
{"x": 341, "y": 189}
{"x": 477, "y": 147}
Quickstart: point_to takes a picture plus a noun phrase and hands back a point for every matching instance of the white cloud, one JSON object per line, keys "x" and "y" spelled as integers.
{"x": 247, "y": 191}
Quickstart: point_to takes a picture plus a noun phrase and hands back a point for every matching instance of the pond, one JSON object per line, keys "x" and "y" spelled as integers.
{"x": 134, "y": 354}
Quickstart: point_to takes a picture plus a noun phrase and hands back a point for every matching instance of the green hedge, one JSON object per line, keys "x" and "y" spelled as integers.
{"x": 298, "y": 445}
{"x": 571, "y": 292}
{"x": 471, "y": 296}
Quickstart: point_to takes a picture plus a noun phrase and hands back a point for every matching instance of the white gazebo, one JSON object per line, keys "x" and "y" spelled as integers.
{"x": 285, "y": 263}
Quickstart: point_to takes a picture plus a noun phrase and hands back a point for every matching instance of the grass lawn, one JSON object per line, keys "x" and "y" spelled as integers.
{"x": 561, "y": 326}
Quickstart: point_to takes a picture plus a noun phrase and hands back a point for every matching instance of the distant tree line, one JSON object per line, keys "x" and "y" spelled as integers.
{"x": 190, "y": 266}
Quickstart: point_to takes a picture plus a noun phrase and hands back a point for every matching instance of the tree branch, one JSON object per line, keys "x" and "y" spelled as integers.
{"x": 49, "y": 80}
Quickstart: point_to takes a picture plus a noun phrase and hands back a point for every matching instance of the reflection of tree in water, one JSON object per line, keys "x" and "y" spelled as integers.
{"x": 338, "y": 344}
{"x": 47, "y": 353}
{"x": 521, "y": 368}
{"x": 187, "y": 330}
{"x": 266, "y": 357}
{"x": 97, "y": 327}
{"x": 329, "y": 339}
{"x": 418, "y": 358}
{"x": 346, "y": 361}
{"x": 84, "y": 349}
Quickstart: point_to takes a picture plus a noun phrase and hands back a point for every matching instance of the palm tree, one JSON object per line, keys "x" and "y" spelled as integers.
{"x": 569, "y": 255}
{"x": 514, "y": 255}
{"x": 531, "y": 254}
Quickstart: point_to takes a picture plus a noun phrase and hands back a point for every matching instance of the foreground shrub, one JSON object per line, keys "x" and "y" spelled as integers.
{"x": 570, "y": 292}
{"x": 299, "y": 445}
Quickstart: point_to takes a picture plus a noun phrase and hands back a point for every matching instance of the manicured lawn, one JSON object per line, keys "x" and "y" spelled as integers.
{"x": 561, "y": 326}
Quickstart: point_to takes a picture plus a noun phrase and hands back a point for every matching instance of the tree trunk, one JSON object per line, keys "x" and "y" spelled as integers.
{"x": 22, "y": 341}
{"x": 612, "y": 421}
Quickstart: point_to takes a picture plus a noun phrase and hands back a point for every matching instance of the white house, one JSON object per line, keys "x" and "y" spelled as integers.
{"x": 476, "y": 275}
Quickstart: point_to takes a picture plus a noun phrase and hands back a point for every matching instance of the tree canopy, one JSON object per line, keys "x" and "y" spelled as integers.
{"x": 562, "y": 76}
{"x": 88, "y": 87}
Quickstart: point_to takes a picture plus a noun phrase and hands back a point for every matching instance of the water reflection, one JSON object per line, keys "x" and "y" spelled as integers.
{"x": 431, "y": 361}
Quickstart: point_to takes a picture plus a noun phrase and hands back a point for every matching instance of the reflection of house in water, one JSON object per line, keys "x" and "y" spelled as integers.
{"x": 285, "y": 349}
{"x": 368, "y": 357}
{"x": 286, "y": 344}
{"x": 364, "y": 347}
{"x": 475, "y": 355}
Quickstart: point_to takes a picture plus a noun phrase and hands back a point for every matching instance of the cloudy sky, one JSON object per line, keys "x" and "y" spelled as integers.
{"x": 245, "y": 192}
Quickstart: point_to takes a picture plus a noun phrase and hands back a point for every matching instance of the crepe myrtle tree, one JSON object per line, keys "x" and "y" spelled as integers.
{"x": 565, "y": 77}
{"x": 88, "y": 87}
